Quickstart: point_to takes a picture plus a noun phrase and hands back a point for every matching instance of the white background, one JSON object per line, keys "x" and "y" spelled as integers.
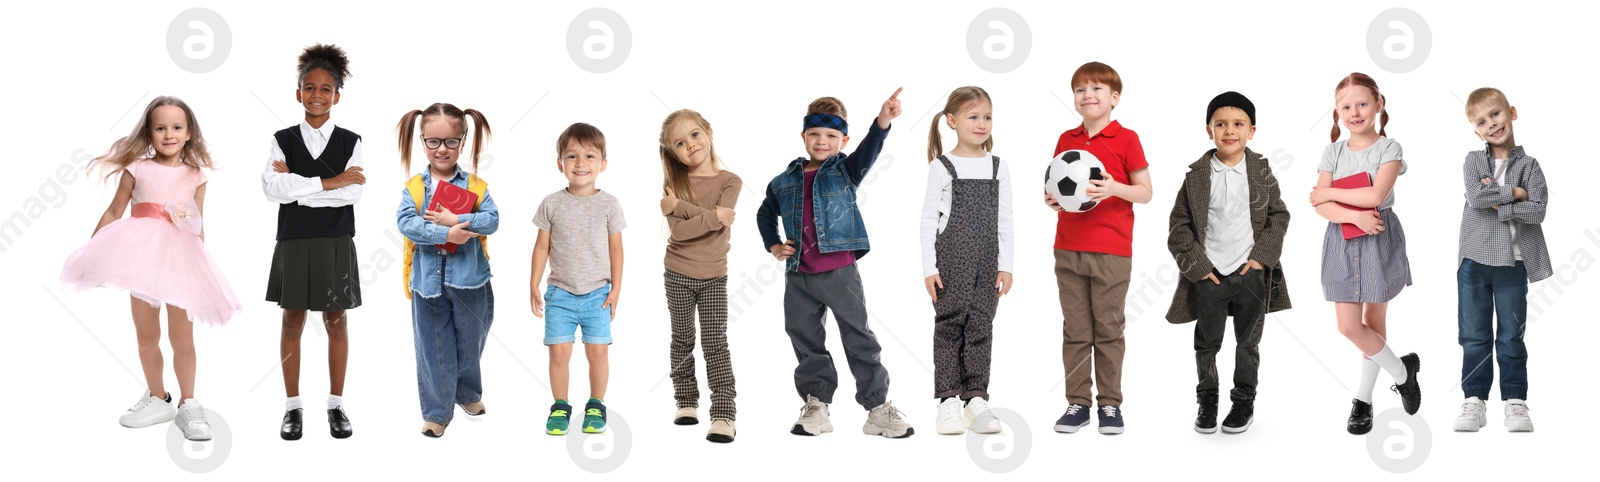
{"x": 80, "y": 73}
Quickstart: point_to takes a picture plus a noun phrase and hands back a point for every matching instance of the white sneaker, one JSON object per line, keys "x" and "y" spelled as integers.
{"x": 979, "y": 418}
{"x": 1473, "y": 416}
{"x": 813, "y": 418}
{"x": 887, "y": 421}
{"x": 949, "y": 420}
{"x": 1517, "y": 419}
{"x": 191, "y": 420}
{"x": 147, "y": 411}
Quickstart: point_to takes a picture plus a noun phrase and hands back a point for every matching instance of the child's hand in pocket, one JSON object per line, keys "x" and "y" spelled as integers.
{"x": 933, "y": 284}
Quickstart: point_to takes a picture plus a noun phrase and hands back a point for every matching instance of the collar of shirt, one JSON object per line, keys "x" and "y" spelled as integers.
{"x": 1218, "y": 166}
{"x": 1515, "y": 152}
{"x": 1111, "y": 130}
{"x": 326, "y": 131}
{"x": 427, "y": 176}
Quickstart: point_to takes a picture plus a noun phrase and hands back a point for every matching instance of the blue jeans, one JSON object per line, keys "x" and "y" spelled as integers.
{"x": 450, "y": 331}
{"x": 1482, "y": 293}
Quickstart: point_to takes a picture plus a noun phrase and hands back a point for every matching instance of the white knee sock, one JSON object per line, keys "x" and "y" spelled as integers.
{"x": 1369, "y": 378}
{"x": 335, "y": 401}
{"x": 1391, "y": 364}
{"x": 292, "y": 403}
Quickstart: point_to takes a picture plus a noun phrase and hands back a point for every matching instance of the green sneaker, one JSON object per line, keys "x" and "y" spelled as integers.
{"x": 560, "y": 418}
{"x": 594, "y": 416}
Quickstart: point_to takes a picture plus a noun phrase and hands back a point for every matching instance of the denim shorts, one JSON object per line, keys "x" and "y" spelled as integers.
{"x": 564, "y": 312}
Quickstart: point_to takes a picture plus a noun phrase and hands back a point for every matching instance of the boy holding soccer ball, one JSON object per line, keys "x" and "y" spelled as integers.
{"x": 1226, "y": 233}
{"x": 1094, "y": 251}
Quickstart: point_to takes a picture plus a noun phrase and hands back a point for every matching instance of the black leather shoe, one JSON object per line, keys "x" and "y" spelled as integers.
{"x": 291, "y": 425}
{"x": 338, "y": 424}
{"x": 1360, "y": 417}
{"x": 1410, "y": 391}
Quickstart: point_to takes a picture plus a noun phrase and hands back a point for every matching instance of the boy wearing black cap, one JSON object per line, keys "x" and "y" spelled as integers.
{"x": 1226, "y": 232}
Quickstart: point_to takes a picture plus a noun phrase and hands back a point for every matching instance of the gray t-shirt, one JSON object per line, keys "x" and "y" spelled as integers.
{"x": 1339, "y": 160}
{"x": 580, "y": 249}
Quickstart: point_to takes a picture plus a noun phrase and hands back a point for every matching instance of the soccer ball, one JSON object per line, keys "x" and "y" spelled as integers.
{"x": 1067, "y": 178}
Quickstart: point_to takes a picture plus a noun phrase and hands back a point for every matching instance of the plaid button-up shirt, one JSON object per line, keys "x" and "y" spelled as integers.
{"x": 1486, "y": 231}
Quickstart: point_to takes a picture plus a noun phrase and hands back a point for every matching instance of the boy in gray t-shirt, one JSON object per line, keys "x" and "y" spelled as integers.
{"x": 580, "y": 233}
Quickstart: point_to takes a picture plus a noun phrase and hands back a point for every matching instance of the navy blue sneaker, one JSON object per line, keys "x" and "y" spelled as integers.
{"x": 1110, "y": 419}
{"x": 1077, "y": 417}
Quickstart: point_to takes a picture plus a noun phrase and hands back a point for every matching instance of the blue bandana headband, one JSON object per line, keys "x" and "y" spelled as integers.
{"x": 827, "y": 120}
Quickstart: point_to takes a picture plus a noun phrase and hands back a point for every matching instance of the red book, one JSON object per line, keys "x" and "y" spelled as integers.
{"x": 457, "y": 200}
{"x": 1353, "y": 181}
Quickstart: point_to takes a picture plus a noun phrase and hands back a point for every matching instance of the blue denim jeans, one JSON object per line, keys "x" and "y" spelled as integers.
{"x": 450, "y": 331}
{"x": 1483, "y": 293}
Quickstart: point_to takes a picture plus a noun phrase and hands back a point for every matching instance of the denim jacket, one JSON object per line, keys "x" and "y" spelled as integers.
{"x": 433, "y": 267}
{"x": 839, "y": 223}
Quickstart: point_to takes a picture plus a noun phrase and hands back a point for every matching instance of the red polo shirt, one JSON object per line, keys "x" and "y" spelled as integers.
{"x": 1108, "y": 228}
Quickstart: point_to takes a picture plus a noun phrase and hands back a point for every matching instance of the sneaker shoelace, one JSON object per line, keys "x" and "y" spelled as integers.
{"x": 890, "y": 413}
{"x": 143, "y": 402}
{"x": 196, "y": 416}
{"x": 593, "y": 412}
{"x": 1110, "y": 411}
{"x": 1518, "y": 410}
{"x": 558, "y": 413}
{"x": 1471, "y": 409}
{"x": 809, "y": 410}
{"x": 1072, "y": 409}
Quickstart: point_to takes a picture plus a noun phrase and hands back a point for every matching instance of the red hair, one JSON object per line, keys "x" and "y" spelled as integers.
{"x": 1360, "y": 80}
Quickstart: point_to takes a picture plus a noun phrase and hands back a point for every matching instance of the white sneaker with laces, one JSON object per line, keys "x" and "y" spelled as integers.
{"x": 1517, "y": 419}
{"x": 813, "y": 418}
{"x": 147, "y": 411}
{"x": 1474, "y": 415}
{"x": 979, "y": 418}
{"x": 887, "y": 421}
{"x": 191, "y": 420}
{"x": 949, "y": 420}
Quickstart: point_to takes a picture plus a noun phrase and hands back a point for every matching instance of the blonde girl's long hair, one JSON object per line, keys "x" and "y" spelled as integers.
{"x": 675, "y": 174}
{"x": 136, "y": 145}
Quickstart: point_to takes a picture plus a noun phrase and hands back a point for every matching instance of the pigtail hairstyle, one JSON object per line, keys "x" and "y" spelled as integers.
{"x": 136, "y": 145}
{"x": 959, "y": 99}
{"x": 408, "y": 123}
{"x": 675, "y": 174}
{"x": 1361, "y": 80}
{"x": 329, "y": 58}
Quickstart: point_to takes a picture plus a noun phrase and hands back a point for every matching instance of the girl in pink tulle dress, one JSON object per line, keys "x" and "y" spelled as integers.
{"x": 158, "y": 255}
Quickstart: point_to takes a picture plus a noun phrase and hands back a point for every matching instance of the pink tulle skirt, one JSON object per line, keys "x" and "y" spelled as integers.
{"x": 155, "y": 260}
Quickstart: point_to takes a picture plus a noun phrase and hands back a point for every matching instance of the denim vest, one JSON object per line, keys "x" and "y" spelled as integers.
{"x": 833, "y": 197}
{"x": 432, "y": 268}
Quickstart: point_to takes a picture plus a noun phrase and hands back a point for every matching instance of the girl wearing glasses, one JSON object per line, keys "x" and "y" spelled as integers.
{"x": 446, "y": 262}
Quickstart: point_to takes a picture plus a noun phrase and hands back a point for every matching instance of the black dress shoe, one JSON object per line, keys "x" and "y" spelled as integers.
{"x": 291, "y": 425}
{"x": 338, "y": 424}
{"x": 1410, "y": 391}
{"x": 1360, "y": 417}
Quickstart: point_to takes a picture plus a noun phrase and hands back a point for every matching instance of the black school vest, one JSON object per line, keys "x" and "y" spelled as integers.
{"x": 296, "y": 221}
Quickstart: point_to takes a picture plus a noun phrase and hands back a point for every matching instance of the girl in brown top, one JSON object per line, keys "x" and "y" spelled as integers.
{"x": 698, "y": 202}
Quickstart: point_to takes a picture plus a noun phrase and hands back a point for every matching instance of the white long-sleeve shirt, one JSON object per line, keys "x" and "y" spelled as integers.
{"x": 284, "y": 188}
{"x": 936, "y": 206}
